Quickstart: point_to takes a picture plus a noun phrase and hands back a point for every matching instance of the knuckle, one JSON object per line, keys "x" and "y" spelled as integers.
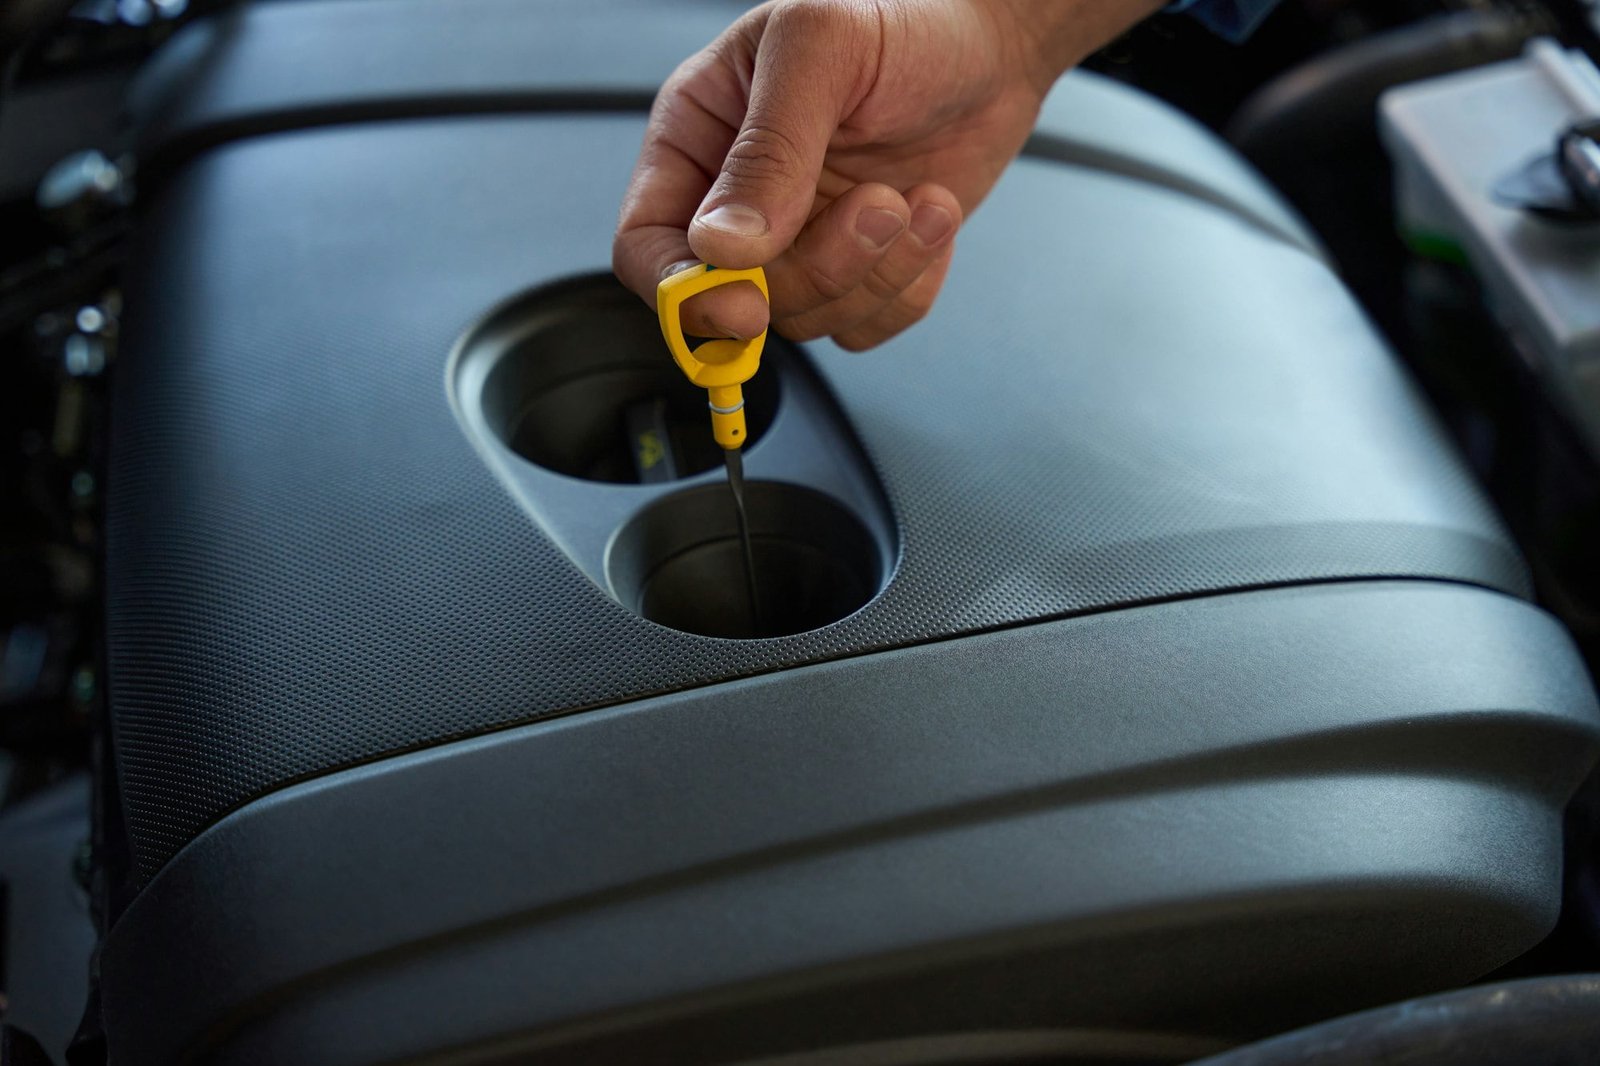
{"x": 846, "y": 27}
{"x": 814, "y": 16}
{"x": 884, "y": 286}
{"x": 896, "y": 274}
{"x": 861, "y": 340}
{"x": 894, "y": 320}
{"x": 627, "y": 263}
{"x": 797, "y": 329}
{"x": 826, "y": 283}
{"x": 910, "y": 312}
{"x": 760, "y": 153}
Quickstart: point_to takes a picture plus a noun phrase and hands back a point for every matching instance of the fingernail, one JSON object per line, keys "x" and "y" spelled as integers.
{"x": 737, "y": 219}
{"x": 930, "y": 224}
{"x": 677, "y": 268}
{"x": 878, "y": 227}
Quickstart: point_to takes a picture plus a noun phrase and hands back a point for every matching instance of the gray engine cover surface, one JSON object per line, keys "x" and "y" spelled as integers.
{"x": 1125, "y": 394}
{"x": 257, "y": 68}
{"x": 1209, "y": 819}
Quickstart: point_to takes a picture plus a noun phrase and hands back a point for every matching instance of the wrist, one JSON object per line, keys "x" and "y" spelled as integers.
{"x": 1053, "y": 36}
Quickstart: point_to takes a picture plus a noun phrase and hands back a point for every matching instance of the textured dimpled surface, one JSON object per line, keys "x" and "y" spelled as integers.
{"x": 309, "y": 566}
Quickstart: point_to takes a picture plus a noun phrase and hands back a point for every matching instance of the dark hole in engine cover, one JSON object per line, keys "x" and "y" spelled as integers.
{"x": 589, "y": 390}
{"x": 678, "y": 562}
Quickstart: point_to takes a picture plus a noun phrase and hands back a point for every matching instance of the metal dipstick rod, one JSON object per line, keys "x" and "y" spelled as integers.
{"x": 721, "y": 367}
{"x": 734, "y": 461}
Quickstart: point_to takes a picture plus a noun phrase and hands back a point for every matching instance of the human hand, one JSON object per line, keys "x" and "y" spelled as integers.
{"x": 840, "y": 144}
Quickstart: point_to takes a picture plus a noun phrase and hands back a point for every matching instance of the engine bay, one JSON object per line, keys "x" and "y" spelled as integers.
{"x": 1222, "y": 667}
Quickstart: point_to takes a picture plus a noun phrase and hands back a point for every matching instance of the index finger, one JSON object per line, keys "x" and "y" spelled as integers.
{"x": 684, "y": 145}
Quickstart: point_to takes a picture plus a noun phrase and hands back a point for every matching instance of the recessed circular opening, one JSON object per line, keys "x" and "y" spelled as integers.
{"x": 680, "y": 562}
{"x": 587, "y": 388}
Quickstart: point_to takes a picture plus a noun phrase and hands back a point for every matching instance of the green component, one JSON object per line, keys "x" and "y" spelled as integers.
{"x": 1430, "y": 244}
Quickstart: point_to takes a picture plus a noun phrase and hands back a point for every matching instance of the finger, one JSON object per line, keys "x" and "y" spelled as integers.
{"x": 692, "y": 123}
{"x": 812, "y": 65}
{"x": 737, "y": 310}
{"x": 837, "y": 250}
{"x": 905, "y": 311}
{"x": 667, "y": 185}
{"x": 934, "y": 216}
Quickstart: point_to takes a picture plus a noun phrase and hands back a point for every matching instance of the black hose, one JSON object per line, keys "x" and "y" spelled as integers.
{"x": 1333, "y": 97}
{"x": 1548, "y": 1021}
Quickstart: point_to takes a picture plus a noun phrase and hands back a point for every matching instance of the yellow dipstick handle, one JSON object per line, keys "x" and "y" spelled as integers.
{"x": 718, "y": 366}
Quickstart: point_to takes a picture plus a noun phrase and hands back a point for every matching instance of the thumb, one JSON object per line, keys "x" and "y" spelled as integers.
{"x": 810, "y": 65}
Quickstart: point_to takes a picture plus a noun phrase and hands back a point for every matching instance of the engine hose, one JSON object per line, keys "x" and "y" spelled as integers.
{"x": 1551, "y": 1021}
{"x": 1311, "y": 109}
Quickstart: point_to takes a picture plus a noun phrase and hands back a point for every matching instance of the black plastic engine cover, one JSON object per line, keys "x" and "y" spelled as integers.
{"x": 1199, "y": 695}
{"x": 1123, "y": 396}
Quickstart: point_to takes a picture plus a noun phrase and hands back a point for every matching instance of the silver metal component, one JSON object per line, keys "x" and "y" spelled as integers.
{"x": 83, "y": 356}
{"x": 677, "y": 268}
{"x": 82, "y": 187}
{"x": 84, "y": 685}
{"x": 1453, "y": 138}
{"x": 734, "y": 460}
{"x": 725, "y": 410}
{"x": 135, "y": 12}
{"x": 91, "y": 345}
{"x": 90, "y": 319}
